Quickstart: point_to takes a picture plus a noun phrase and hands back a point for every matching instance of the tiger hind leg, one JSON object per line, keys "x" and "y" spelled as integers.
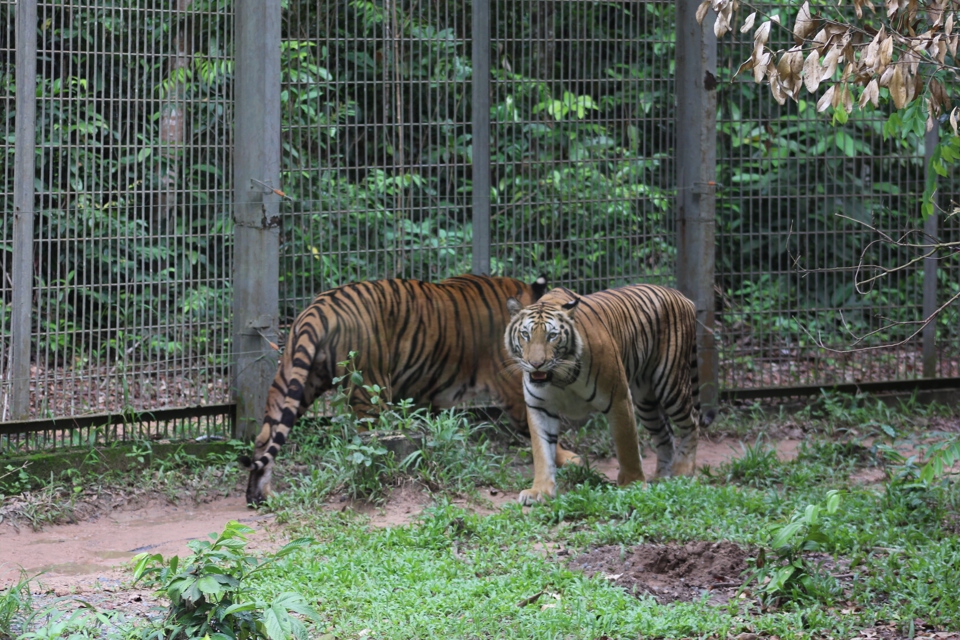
{"x": 661, "y": 434}
{"x": 686, "y": 433}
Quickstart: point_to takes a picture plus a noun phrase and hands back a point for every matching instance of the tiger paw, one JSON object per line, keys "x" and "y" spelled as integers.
{"x": 565, "y": 457}
{"x": 535, "y": 494}
{"x": 629, "y": 477}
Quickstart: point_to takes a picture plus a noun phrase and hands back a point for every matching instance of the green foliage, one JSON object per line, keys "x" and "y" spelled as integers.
{"x": 211, "y": 594}
{"x": 16, "y": 605}
{"x": 789, "y": 575}
{"x": 51, "y": 623}
{"x": 127, "y": 269}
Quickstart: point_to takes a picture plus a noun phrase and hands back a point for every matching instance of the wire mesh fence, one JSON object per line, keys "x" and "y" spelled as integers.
{"x": 803, "y": 269}
{"x": 389, "y": 168}
{"x": 131, "y": 222}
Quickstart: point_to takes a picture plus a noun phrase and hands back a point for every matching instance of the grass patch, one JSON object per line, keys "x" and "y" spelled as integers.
{"x": 80, "y": 485}
{"x": 827, "y": 556}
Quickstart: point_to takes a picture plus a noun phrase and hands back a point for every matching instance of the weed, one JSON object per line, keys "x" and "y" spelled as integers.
{"x": 16, "y": 605}
{"x": 789, "y": 576}
{"x": 759, "y": 467}
{"x": 51, "y": 623}
{"x": 573, "y": 476}
{"x": 211, "y": 593}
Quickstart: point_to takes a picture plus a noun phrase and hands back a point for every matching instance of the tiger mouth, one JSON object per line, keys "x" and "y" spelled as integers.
{"x": 540, "y": 376}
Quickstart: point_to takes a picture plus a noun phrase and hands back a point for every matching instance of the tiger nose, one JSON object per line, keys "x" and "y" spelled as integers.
{"x": 536, "y": 364}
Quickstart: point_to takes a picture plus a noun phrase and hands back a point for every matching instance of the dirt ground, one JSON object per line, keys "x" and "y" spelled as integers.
{"x": 90, "y": 555}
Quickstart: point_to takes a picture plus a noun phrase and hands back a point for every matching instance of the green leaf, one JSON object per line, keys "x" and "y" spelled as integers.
{"x": 209, "y": 584}
{"x": 785, "y": 534}
{"x": 292, "y": 546}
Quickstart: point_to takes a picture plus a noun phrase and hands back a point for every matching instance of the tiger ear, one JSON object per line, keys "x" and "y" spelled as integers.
{"x": 568, "y": 307}
{"x": 513, "y": 306}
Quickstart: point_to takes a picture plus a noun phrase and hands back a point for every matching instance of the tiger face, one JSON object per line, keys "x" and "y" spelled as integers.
{"x": 544, "y": 342}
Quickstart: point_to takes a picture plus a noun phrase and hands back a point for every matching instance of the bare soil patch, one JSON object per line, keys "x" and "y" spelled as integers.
{"x": 670, "y": 572}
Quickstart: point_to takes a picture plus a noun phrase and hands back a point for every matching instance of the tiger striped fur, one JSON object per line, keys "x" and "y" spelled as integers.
{"x": 627, "y": 353}
{"x": 439, "y": 344}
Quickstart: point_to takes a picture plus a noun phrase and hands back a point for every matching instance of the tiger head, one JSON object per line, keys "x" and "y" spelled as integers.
{"x": 543, "y": 340}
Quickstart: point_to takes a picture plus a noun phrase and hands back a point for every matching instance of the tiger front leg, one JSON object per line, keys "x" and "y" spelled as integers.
{"x": 544, "y": 433}
{"x": 623, "y": 428}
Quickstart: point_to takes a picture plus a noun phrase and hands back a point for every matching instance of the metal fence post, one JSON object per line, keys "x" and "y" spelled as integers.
{"x": 256, "y": 267}
{"x": 23, "y": 207}
{"x": 929, "y": 335}
{"x": 696, "y": 131}
{"x": 481, "y": 135}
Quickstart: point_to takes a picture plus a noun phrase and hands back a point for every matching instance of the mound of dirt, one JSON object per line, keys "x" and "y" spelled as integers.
{"x": 670, "y": 572}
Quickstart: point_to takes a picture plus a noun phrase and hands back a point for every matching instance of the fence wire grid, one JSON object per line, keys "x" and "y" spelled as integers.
{"x": 133, "y": 199}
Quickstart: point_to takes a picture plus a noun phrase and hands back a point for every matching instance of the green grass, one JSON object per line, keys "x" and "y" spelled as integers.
{"x": 455, "y": 574}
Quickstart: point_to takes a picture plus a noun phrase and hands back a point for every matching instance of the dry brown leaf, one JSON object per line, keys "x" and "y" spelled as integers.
{"x": 871, "y": 94}
{"x": 775, "y": 18}
{"x": 826, "y": 99}
{"x": 830, "y": 64}
{"x": 892, "y": 7}
{"x": 871, "y": 54}
{"x": 953, "y": 120}
{"x": 886, "y": 76}
{"x": 762, "y": 34}
{"x": 952, "y": 44}
{"x": 804, "y": 24}
{"x": 886, "y": 53}
{"x": 777, "y": 90}
{"x": 702, "y": 11}
{"x": 948, "y": 25}
{"x": 898, "y": 89}
{"x": 748, "y": 23}
{"x": 811, "y": 72}
{"x": 760, "y": 68}
{"x": 846, "y": 98}
{"x": 746, "y": 66}
{"x": 720, "y": 25}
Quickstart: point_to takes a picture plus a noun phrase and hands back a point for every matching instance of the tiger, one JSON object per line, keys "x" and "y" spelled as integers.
{"x": 438, "y": 344}
{"x": 625, "y": 352}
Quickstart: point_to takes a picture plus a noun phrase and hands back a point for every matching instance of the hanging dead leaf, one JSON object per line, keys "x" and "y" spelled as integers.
{"x": 871, "y": 94}
{"x": 804, "y": 25}
{"x": 886, "y": 76}
{"x": 939, "y": 96}
{"x": 762, "y": 34}
{"x": 702, "y": 11}
{"x": 830, "y": 64}
{"x": 953, "y": 120}
{"x": 898, "y": 90}
{"x": 720, "y": 25}
{"x": 811, "y": 72}
{"x": 846, "y": 98}
{"x": 952, "y": 44}
{"x": 760, "y": 68}
{"x": 948, "y": 25}
{"x": 826, "y": 99}
{"x": 886, "y": 54}
{"x": 778, "y": 93}
{"x": 748, "y": 23}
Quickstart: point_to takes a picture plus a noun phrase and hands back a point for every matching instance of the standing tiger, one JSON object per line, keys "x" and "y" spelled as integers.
{"x": 439, "y": 344}
{"x": 623, "y": 352}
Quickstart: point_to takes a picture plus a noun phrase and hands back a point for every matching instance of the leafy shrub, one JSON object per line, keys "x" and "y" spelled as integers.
{"x": 211, "y": 593}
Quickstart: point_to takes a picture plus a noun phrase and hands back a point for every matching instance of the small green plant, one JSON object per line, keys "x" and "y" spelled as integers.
{"x": 51, "y": 623}
{"x": 211, "y": 593}
{"x": 14, "y": 479}
{"x": 789, "y": 576}
{"x": 759, "y": 466}
{"x": 15, "y": 606}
